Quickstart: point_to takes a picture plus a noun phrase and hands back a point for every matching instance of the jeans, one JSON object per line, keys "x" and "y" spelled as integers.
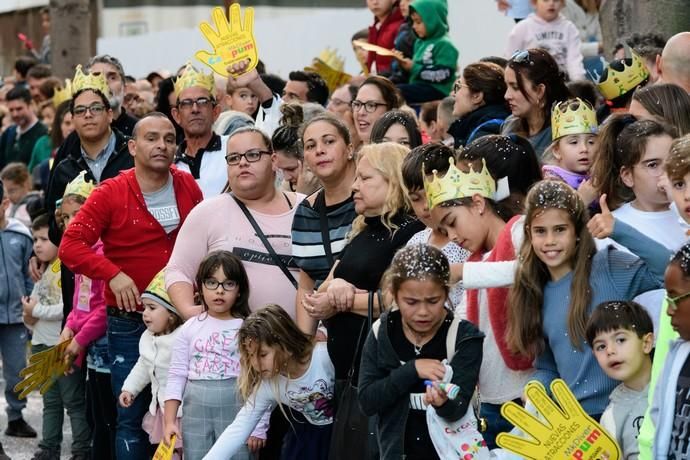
{"x": 103, "y": 407}
{"x": 131, "y": 441}
{"x": 67, "y": 393}
{"x": 495, "y": 423}
{"x": 13, "y": 339}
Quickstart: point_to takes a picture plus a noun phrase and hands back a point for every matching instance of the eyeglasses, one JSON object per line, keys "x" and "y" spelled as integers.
{"x": 338, "y": 102}
{"x": 654, "y": 168}
{"x": 672, "y": 302}
{"x": 202, "y": 102}
{"x": 95, "y": 109}
{"x": 521, "y": 57}
{"x": 369, "y": 106}
{"x": 212, "y": 284}
{"x": 457, "y": 86}
{"x": 252, "y": 156}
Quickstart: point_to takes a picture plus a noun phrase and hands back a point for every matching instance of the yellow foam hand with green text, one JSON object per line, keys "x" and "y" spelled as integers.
{"x": 44, "y": 368}
{"x": 231, "y": 41}
{"x": 565, "y": 431}
{"x": 164, "y": 451}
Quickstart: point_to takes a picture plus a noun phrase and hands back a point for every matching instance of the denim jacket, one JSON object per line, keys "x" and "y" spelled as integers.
{"x": 16, "y": 246}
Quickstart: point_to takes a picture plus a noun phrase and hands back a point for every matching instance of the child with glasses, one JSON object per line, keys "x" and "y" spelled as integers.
{"x": 621, "y": 336}
{"x": 205, "y": 361}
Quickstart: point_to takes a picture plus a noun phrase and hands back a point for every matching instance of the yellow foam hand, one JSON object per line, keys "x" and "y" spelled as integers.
{"x": 566, "y": 431}
{"x": 165, "y": 452}
{"x": 333, "y": 77}
{"x": 44, "y": 368}
{"x": 231, "y": 41}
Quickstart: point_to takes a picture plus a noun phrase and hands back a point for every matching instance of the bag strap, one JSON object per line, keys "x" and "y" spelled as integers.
{"x": 276, "y": 259}
{"x": 452, "y": 337}
{"x": 320, "y": 204}
{"x": 368, "y": 326}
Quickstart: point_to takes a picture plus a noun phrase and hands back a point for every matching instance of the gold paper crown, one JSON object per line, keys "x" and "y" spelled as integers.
{"x": 82, "y": 81}
{"x": 191, "y": 77}
{"x": 573, "y": 116}
{"x": 457, "y": 184}
{"x": 156, "y": 292}
{"x": 331, "y": 58}
{"x": 617, "y": 83}
{"x": 79, "y": 186}
{"x": 62, "y": 94}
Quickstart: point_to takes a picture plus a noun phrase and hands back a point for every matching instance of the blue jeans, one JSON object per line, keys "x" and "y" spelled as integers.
{"x": 13, "y": 340}
{"x": 495, "y": 423}
{"x": 131, "y": 441}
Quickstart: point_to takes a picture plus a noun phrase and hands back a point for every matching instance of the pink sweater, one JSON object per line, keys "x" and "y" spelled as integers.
{"x": 88, "y": 316}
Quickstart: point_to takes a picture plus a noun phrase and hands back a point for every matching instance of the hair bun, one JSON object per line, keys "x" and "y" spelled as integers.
{"x": 293, "y": 115}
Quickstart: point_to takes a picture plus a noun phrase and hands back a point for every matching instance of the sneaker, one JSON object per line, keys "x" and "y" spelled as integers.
{"x": 44, "y": 454}
{"x": 3, "y": 455}
{"x": 20, "y": 429}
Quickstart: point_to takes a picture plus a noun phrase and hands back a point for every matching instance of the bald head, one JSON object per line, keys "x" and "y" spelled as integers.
{"x": 674, "y": 65}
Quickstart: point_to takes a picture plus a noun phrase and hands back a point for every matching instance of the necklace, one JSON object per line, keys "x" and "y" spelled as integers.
{"x": 417, "y": 349}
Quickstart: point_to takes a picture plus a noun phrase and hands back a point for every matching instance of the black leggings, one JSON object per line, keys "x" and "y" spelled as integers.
{"x": 103, "y": 415}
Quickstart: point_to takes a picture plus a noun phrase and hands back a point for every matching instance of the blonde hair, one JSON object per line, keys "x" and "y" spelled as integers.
{"x": 387, "y": 158}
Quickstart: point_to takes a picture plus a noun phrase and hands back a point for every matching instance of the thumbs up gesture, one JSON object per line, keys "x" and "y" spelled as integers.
{"x": 601, "y": 225}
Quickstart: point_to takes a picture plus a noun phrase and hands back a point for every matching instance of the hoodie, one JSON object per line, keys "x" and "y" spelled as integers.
{"x": 383, "y": 34}
{"x": 16, "y": 246}
{"x": 435, "y": 58}
{"x": 559, "y": 37}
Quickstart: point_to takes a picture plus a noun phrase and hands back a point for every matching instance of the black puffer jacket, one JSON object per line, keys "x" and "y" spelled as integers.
{"x": 462, "y": 129}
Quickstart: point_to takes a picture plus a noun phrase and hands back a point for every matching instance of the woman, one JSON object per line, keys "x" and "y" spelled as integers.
{"x": 479, "y": 103}
{"x": 663, "y": 100}
{"x": 289, "y": 152}
{"x": 375, "y": 96}
{"x": 534, "y": 83}
{"x": 383, "y": 225}
{"x": 397, "y": 126}
{"x": 40, "y": 157}
{"x": 323, "y": 220}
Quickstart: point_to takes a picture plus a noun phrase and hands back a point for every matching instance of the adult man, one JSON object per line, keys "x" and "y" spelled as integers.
{"x": 35, "y": 77}
{"x": 17, "y": 142}
{"x": 137, "y": 216}
{"x": 114, "y": 74}
{"x": 305, "y": 86}
{"x": 202, "y": 153}
{"x": 674, "y": 63}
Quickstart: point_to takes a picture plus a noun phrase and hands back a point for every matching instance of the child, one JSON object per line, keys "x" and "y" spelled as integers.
{"x": 86, "y": 326}
{"x": 15, "y": 251}
{"x": 43, "y": 311}
{"x": 404, "y": 43}
{"x": 467, "y": 209}
{"x": 155, "y": 347}
{"x": 17, "y": 181}
{"x": 621, "y": 337}
{"x": 668, "y": 412}
{"x": 414, "y": 184}
{"x": 574, "y": 136}
{"x": 560, "y": 261}
{"x": 204, "y": 365}
{"x": 413, "y": 343}
{"x": 241, "y": 99}
{"x": 546, "y": 28}
{"x": 281, "y": 364}
{"x": 434, "y": 62}
{"x": 387, "y": 21}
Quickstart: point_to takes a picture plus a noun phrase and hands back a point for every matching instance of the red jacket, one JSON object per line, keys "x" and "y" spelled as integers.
{"x": 133, "y": 240}
{"x": 384, "y": 36}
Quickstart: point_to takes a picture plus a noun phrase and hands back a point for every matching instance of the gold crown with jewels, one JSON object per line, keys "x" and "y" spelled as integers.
{"x": 83, "y": 81}
{"x": 191, "y": 77}
{"x": 62, "y": 94}
{"x": 617, "y": 83}
{"x": 456, "y": 184}
{"x": 573, "y": 116}
{"x": 79, "y": 186}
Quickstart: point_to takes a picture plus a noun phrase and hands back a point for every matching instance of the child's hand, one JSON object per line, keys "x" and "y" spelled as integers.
{"x": 435, "y": 396}
{"x": 601, "y": 225}
{"x": 71, "y": 353}
{"x": 28, "y": 304}
{"x": 430, "y": 369}
{"x": 66, "y": 334}
{"x": 503, "y": 5}
{"x": 587, "y": 191}
{"x": 126, "y": 399}
{"x": 168, "y": 430}
{"x": 255, "y": 444}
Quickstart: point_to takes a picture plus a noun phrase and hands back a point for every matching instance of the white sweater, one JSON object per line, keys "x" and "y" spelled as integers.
{"x": 152, "y": 367}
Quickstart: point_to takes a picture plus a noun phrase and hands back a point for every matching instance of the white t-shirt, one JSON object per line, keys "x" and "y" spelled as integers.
{"x": 213, "y": 173}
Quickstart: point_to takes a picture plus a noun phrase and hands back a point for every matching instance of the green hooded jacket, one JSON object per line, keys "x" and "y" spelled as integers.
{"x": 435, "y": 58}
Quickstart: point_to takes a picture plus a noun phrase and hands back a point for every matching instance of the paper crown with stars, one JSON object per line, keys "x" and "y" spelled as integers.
{"x": 62, "y": 94}
{"x": 573, "y": 116}
{"x": 617, "y": 83}
{"x": 191, "y": 77}
{"x": 82, "y": 81}
{"x": 79, "y": 186}
{"x": 456, "y": 184}
{"x": 156, "y": 292}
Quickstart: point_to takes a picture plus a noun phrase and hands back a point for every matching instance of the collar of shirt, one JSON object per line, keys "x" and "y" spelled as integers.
{"x": 22, "y": 131}
{"x": 194, "y": 162}
{"x": 107, "y": 150}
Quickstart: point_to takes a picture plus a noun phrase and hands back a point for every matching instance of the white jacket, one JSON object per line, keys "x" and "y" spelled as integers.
{"x": 152, "y": 367}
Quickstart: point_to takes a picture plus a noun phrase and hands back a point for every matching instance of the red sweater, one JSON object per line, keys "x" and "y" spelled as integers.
{"x": 133, "y": 240}
{"x": 384, "y": 36}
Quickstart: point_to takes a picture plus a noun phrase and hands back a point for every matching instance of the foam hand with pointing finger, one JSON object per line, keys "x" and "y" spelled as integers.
{"x": 231, "y": 40}
{"x": 565, "y": 431}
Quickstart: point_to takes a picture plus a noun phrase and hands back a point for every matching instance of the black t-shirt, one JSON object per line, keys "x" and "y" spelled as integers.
{"x": 418, "y": 444}
{"x": 362, "y": 263}
{"x": 679, "y": 447}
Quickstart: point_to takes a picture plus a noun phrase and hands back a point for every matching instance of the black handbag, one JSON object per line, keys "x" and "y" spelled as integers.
{"x": 354, "y": 434}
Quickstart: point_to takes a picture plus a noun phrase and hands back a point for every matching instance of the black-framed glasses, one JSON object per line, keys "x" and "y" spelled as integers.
{"x": 457, "y": 86}
{"x": 201, "y": 102}
{"x": 212, "y": 284}
{"x": 369, "y": 106}
{"x": 672, "y": 302}
{"x": 95, "y": 109}
{"x": 521, "y": 57}
{"x": 252, "y": 156}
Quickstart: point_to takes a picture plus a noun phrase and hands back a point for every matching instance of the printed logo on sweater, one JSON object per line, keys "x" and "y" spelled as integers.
{"x": 680, "y": 435}
{"x": 315, "y": 402}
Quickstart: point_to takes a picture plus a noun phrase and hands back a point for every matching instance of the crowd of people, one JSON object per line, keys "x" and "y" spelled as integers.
{"x": 253, "y": 267}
